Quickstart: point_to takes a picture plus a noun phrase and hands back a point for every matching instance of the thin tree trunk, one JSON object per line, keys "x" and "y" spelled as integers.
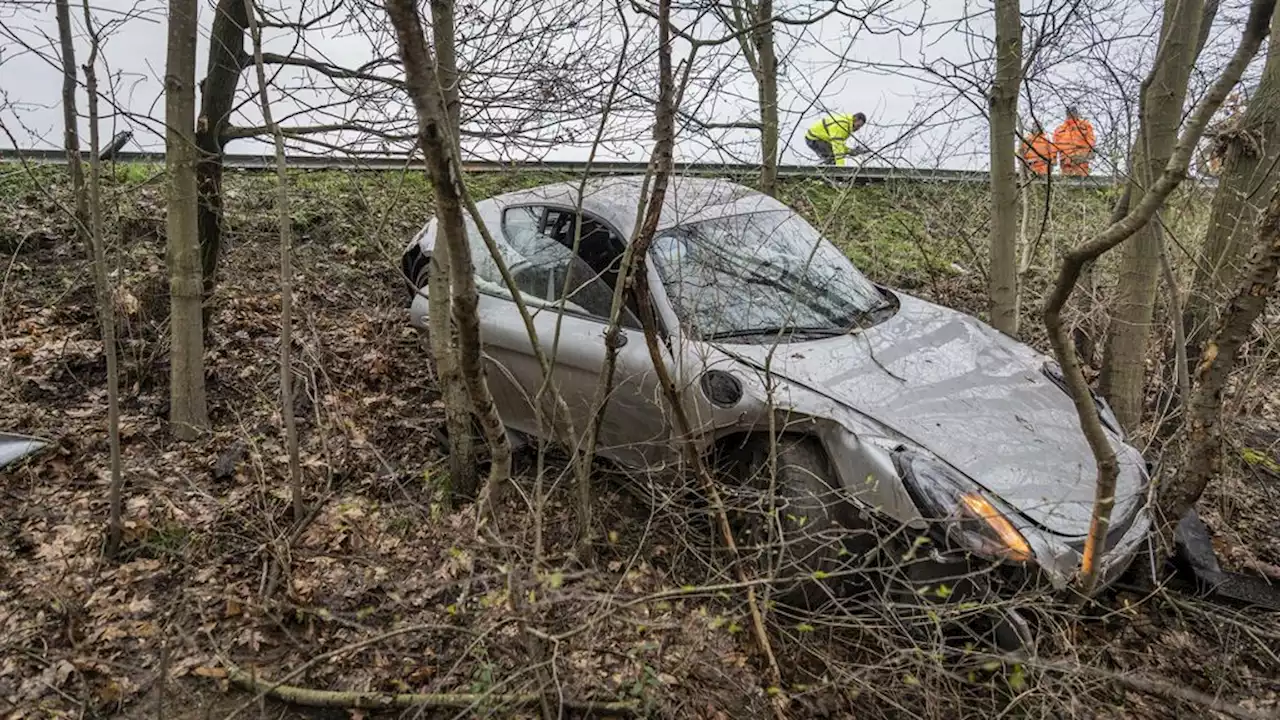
{"x": 442, "y": 167}
{"x": 751, "y": 23}
{"x": 464, "y": 476}
{"x": 612, "y": 335}
{"x": 106, "y": 299}
{"x": 1163, "y": 98}
{"x": 637, "y": 278}
{"x": 285, "y": 218}
{"x": 1084, "y": 342}
{"x": 442, "y": 35}
{"x": 1180, "y": 370}
{"x": 1003, "y": 274}
{"x": 767, "y": 87}
{"x": 188, "y": 411}
{"x": 1027, "y": 249}
{"x": 227, "y": 59}
{"x": 1074, "y": 261}
{"x": 1248, "y": 175}
{"x": 1200, "y": 444}
{"x": 71, "y": 124}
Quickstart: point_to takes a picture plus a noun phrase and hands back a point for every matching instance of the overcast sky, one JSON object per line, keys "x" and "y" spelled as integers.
{"x": 911, "y": 68}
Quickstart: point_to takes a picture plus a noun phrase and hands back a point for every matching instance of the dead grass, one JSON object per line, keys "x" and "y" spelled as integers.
{"x": 656, "y": 618}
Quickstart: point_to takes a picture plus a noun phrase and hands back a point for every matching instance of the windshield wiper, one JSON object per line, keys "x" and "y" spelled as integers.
{"x": 819, "y": 331}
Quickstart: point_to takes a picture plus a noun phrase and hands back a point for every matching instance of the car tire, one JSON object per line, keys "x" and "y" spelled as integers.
{"x": 800, "y": 543}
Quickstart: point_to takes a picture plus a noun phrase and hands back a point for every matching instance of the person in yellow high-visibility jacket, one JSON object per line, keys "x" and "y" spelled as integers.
{"x": 828, "y": 137}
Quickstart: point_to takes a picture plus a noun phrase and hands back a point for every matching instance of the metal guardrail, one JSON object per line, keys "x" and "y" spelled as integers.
{"x": 864, "y": 174}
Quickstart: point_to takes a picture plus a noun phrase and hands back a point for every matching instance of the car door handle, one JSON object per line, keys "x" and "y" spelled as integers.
{"x": 622, "y": 336}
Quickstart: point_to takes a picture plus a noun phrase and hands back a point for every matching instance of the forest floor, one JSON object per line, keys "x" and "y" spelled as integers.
{"x": 387, "y": 590}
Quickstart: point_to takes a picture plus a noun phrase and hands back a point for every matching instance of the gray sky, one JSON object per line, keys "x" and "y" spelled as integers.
{"x": 909, "y": 68}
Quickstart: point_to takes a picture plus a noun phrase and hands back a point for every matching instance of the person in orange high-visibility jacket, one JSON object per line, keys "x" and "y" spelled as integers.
{"x": 1038, "y": 152}
{"x": 828, "y": 136}
{"x": 1074, "y": 141}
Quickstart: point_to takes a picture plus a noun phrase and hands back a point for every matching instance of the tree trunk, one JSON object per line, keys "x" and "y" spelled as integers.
{"x": 106, "y": 298}
{"x": 1252, "y": 150}
{"x": 227, "y": 58}
{"x": 464, "y": 478}
{"x": 188, "y": 413}
{"x": 71, "y": 124}
{"x": 767, "y": 90}
{"x": 1163, "y": 97}
{"x": 1200, "y": 444}
{"x": 442, "y": 166}
{"x": 1003, "y": 274}
{"x": 442, "y": 24}
{"x": 285, "y": 219}
{"x": 752, "y": 24}
{"x": 1140, "y": 214}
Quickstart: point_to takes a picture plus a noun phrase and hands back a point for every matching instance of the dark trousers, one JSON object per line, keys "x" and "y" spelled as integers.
{"x": 822, "y": 149}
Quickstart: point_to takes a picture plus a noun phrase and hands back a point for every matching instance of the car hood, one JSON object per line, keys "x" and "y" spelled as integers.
{"x": 972, "y": 396}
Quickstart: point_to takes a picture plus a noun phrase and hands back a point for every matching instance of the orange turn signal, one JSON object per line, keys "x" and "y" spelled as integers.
{"x": 1014, "y": 542}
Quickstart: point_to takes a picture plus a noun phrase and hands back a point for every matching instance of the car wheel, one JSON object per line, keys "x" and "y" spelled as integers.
{"x": 798, "y": 538}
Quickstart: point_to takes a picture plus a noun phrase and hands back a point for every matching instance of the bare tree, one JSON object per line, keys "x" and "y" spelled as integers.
{"x": 661, "y": 162}
{"x": 71, "y": 121}
{"x": 285, "y": 219}
{"x": 1003, "y": 104}
{"x": 188, "y": 409}
{"x": 227, "y": 58}
{"x": 531, "y": 72}
{"x": 101, "y": 281}
{"x": 752, "y": 23}
{"x": 464, "y": 476}
{"x": 437, "y": 143}
{"x": 1138, "y": 215}
{"x": 1249, "y": 148}
{"x": 1162, "y": 98}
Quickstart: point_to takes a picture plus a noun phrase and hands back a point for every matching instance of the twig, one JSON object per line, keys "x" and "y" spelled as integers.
{"x": 280, "y": 564}
{"x": 267, "y": 687}
{"x": 1161, "y": 689}
{"x": 355, "y": 699}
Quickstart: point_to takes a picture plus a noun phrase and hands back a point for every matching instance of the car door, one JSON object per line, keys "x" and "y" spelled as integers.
{"x": 569, "y": 299}
{"x": 634, "y": 427}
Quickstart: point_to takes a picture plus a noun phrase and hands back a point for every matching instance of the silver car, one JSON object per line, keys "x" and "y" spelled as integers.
{"x": 890, "y": 413}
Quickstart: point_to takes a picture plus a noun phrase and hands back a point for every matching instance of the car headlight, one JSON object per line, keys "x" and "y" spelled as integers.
{"x": 1053, "y": 371}
{"x": 967, "y": 518}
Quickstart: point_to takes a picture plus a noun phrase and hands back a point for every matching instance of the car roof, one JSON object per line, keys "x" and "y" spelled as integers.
{"x": 616, "y": 199}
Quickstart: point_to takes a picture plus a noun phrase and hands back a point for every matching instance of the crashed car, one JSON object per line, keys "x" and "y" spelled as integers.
{"x": 883, "y": 411}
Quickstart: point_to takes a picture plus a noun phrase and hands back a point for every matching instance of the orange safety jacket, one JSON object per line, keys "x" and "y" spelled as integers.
{"x": 1074, "y": 139}
{"x": 1039, "y": 154}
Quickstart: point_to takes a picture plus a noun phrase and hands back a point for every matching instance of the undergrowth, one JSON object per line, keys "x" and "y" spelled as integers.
{"x": 654, "y": 619}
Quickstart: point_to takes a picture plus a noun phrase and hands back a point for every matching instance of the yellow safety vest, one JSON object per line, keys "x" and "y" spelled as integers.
{"x": 832, "y": 128}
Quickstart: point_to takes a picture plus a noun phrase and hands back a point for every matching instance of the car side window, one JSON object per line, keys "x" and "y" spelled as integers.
{"x": 537, "y": 247}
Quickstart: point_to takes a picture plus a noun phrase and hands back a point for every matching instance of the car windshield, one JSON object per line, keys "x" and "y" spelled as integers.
{"x": 758, "y": 273}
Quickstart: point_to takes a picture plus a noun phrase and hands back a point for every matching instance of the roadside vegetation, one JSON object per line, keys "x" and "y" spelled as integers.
{"x": 385, "y": 588}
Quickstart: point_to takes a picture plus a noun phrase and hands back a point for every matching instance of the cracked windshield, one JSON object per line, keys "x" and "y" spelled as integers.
{"x": 760, "y": 273}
